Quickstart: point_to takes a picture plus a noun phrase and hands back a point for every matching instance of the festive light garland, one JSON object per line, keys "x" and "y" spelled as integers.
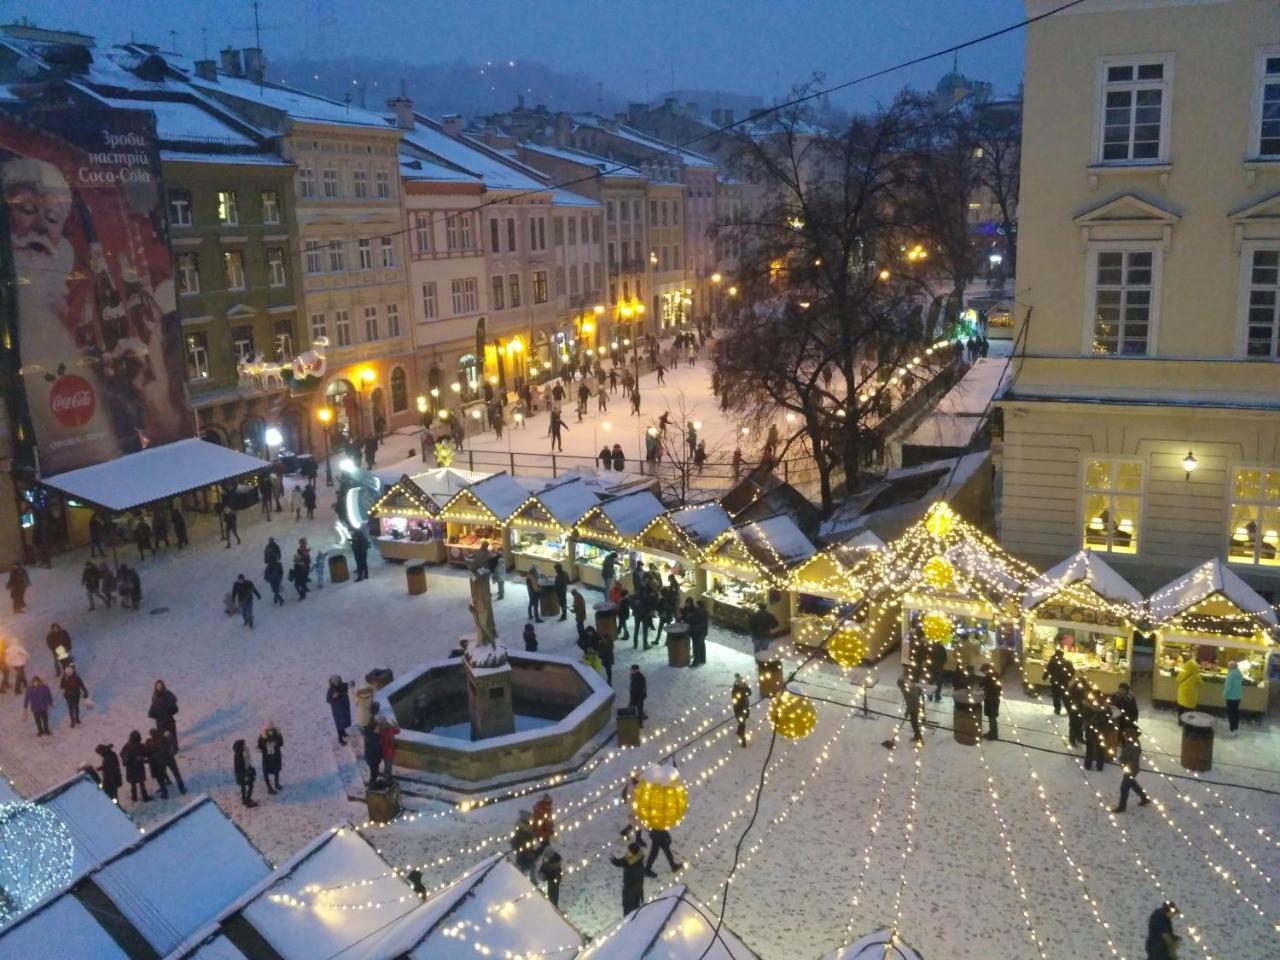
{"x": 659, "y": 799}
{"x": 36, "y": 856}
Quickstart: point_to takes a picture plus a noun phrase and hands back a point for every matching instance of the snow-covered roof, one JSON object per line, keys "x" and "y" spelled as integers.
{"x": 881, "y": 945}
{"x": 414, "y": 166}
{"x": 609, "y": 168}
{"x": 776, "y": 542}
{"x": 501, "y": 494}
{"x": 98, "y": 827}
{"x": 1212, "y": 576}
{"x": 233, "y": 159}
{"x": 701, "y": 524}
{"x": 185, "y": 122}
{"x": 443, "y": 482}
{"x": 497, "y": 172}
{"x": 568, "y": 502}
{"x": 1085, "y": 567}
{"x": 154, "y": 474}
{"x": 217, "y": 948}
{"x": 668, "y": 927}
{"x": 658, "y": 147}
{"x": 567, "y": 198}
{"x": 295, "y": 104}
{"x": 63, "y": 928}
{"x": 631, "y": 513}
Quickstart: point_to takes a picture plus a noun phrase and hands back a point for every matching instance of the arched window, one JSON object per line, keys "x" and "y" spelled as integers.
{"x": 399, "y": 391}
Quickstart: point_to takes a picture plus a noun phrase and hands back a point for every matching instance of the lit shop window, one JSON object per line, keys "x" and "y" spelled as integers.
{"x": 1255, "y": 517}
{"x": 1112, "y": 505}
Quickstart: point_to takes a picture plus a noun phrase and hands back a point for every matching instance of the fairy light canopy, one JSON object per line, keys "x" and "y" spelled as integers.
{"x": 838, "y": 570}
{"x": 405, "y": 498}
{"x": 1237, "y": 604}
{"x": 1084, "y": 581}
{"x": 671, "y": 926}
{"x": 699, "y": 525}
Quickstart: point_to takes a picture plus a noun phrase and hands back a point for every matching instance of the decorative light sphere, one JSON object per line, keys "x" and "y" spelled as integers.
{"x": 846, "y": 647}
{"x": 939, "y": 574}
{"x": 940, "y": 520}
{"x": 792, "y": 716}
{"x": 36, "y": 855}
{"x": 659, "y": 799}
{"x": 937, "y": 626}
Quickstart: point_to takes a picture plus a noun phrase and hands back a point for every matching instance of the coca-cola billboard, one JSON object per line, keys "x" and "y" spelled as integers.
{"x": 99, "y": 340}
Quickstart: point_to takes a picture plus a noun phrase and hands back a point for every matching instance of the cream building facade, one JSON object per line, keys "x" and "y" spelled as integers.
{"x": 1143, "y": 420}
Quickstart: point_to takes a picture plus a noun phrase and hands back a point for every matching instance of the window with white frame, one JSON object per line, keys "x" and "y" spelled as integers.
{"x": 179, "y": 208}
{"x": 337, "y": 256}
{"x": 270, "y": 207}
{"x": 609, "y": 211}
{"x": 624, "y": 208}
{"x": 533, "y": 234}
{"x": 360, "y": 183}
{"x": 393, "y": 319}
{"x": 233, "y": 265}
{"x": 306, "y": 183}
{"x": 494, "y": 235}
{"x": 1254, "y": 534}
{"x": 313, "y": 256}
{"x": 573, "y": 279}
{"x": 284, "y": 341}
{"x": 540, "y": 286}
{"x": 598, "y": 271}
{"x": 197, "y": 356}
{"x": 511, "y": 234}
{"x": 371, "y": 323}
{"x": 399, "y": 390}
{"x": 342, "y": 327}
{"x": 513, "y": 287}
{"x": 1135, "y": 100}
{"x": 242, "y": 344}
{"x": 365, "y": 248}
{"x": 1262, "y": 316}
{"x": 653, "y": 210}
{"x": 559, "y": 281}
{"x": 429, "y": 309}
{"x": 228, "y": 208}
{"x": 319, "y": 327}
{"x": 188, "y": 274}
{"x": 329, "y": 179}
{"x": 1112, "y": 505}
{"x": 1123, "y": 301}
{"x": 497, "y": 293}
{"x": 388, "y": 251}
{"x": 276, "y": 276}
{"x": 466, "y": 295}
{"x": 453, "y": 233}
{"x": 557, "y": 230}
{"x": 382, "y": 184}
{"x": 422, "y": 231}
{"x": 1266, "y": 122}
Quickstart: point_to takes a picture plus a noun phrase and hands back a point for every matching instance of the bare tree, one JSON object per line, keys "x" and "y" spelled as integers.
{"x": 680, "y": 467}
{"x": 997, "y": 136}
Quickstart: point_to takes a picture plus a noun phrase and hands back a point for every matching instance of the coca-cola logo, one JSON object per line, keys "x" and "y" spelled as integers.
{"x": 71, "y": 400}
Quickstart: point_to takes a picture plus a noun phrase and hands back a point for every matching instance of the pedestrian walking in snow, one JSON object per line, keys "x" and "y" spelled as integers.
{"x": 532, "y": 588}
{"x": 638, "y": 689}
{"x": 17, "y": 585}
{"x": 271, "y": 747}
{"x": 229, "y": 525}
{"x": 245, "y": 773}
{"x": 991, "y": 692}
{"x": 1162, "y": 942}
{"x": 360, "y": 551}
{"x": 579, "y": 605}
{"x": 761, "y": 625}
{"x": 295, "y": 502}
{"x": 107, "y": 583}
{"x": 57, "y": 639}
{"x": 243, "y": 593}
{"x": 142, "y": 538}
{"x": 109, "y": 775}
{"x": 500, "y": 575}
{"x": 552, "y": 870}
{"x": 662, "y": 373}
{"x": 1059, "y": 673}
{"x": 1130, "y": 765}
{"x": 740, "y": 697}
{"x": 372, "y": 749}
{"x": 274, "y": 576}
{"x": 557, "y": 427}
{"x": 179, "y": 523}
{"x": 129, "y": 586}
{"x": 635, "y": 399}
{"x": 633, "y": 870}
{"x": 300, "y": 573}
{"x": 160, "y": 527}
{"x": 163, "y": 762}
{"x": 530, "y": 639}
{"x": 562, "y": 589}
{"x": 937, "y": 667}
{"x": 660, "y": 842}
{"x": 16, "y": 659}
{"x": 309, "y": 500}
{"x": 164, "y": 710}
{"x": 39, "y": 700}
{"x": 73, "y": 691}
{"x": 91, "y": 580}
{"x": 913, "y": 702}
{"x": 339, "y": 702}
{"x": 271, "y": 551}
{"x": 134, "y": 756}
{"x": 96, "y": 529}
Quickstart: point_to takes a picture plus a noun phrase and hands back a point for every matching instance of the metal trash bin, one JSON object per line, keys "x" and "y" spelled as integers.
{"x": 548, "y": 598}
{"x": 383, "y": 800}
{"x": 628, "y": 727}
{"x": 677, "y": 644}
{"x": 967, "y": 717}
{"x": 1197, "y": 741}
{"x": 607, "y": 619}
{"x": 415, "y": 577}
{"x": 364, "y": 706}
{"x": 379, "y": 677}
{"x": 338, "y": 572}
{"x": 769, "y": 675}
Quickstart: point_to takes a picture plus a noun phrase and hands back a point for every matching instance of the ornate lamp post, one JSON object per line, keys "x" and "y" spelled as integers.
{"x": 325, "y": 416}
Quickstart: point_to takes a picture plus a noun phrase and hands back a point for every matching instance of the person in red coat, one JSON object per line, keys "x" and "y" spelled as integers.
{"x": 387, "y": 732}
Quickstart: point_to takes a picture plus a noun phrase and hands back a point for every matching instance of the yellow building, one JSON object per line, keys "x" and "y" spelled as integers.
{"x": 1144, "y": 421}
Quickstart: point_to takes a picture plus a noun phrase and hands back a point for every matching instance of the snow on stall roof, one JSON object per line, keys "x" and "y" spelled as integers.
{"x": 876, "y": 946}
{"x": 154, "y": 474}
{"x": 1084, "y": 567}
{"x": 568, "y": 502}
{"x": 180, "y": 121}
{"x": 776, "y": 538}
{"x": 181, "y": 874}
{"x": 668, "y": 928}
{"x": 63, "y": 928}
{"x": 98, "y": 827}
{"x": 493, "y": 898}
{"x": 971, "y": 396}
{"x": 1212, "y": 576}
{"x": 631, "y": 513}
{"x": 502, "y": 493}
{"x": 703, "y": 523}
{"x": 219, "y": 948}
{"x": 443, "y": 483}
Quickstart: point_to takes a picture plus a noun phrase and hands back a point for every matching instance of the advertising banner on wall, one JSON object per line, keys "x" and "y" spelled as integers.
{"x": 99, "y": 338}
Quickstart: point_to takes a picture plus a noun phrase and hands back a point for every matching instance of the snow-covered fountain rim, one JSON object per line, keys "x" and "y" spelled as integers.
{"x": 600, "y": 694}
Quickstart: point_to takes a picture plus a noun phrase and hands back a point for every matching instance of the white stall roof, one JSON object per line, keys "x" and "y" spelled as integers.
{"x": 971, "y": 396}
{"x": 703, "y": 523}
{"x": 631, "y": 513}
{"x": 1212, "y": 576}
{"x": 61, "y": 928}
{"x": 7, "y": 793}
{"x": 881, "y": 945}
{"x": 154, "y": 474}
{"x": 668, "y": 928}
{"x": 219, "y": 948}
{"x": 1084, "y": 567}
{"x": 443, "y": 483}
{"x": 774, "y": 539}
{"x": 569, "y": 501}
{"x": 502, "y": 494}
{"x": 97, "y": 826}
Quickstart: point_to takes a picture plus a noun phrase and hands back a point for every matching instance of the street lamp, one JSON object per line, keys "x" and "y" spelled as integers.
{"x": 367, "y": 378}
{"x": 325, "y": 416}
{"x": 422, "y": 410}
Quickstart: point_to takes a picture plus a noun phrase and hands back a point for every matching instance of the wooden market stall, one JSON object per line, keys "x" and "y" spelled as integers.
{"x": 752, "y": 564}
{"x": 1089, "y": 610}
{"x": 404, "y": 524}
{"x": 673, "y": 542}
{"x": 836, "y": 588}
{"x": 479, "y": 513}
{"x": 613, "y": 526}
{"x": 541, "y": 531}
{"x": 1215, "y": 617}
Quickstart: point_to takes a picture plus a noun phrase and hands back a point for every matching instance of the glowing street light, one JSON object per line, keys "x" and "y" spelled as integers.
{"x": 273, "y": 437}
{"x": 325, "y": 416}
{"x": 716, "y": 278}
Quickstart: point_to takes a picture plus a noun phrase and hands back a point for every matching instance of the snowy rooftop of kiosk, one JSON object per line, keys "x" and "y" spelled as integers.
{"x": 668, "y": 927}
{"x": 97, "y": 826}
{"x": 1212, "y": 576}
{"x": 631, "y": 513}
{"x": 1085, "y": 567}
{"x": 501, "y": 494}
{"x": 775, "y": 539}
{"x": 568, "y": 502}
{"x": 701, "y": 524}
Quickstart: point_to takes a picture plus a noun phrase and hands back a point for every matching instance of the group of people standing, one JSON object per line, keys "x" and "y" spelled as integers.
{"x": 142, "y": 760}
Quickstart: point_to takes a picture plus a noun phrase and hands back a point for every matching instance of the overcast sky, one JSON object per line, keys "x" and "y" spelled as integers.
{"x": 635, "y": 47}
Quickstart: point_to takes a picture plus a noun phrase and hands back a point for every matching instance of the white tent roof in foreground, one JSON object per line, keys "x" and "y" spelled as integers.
{"x": 1085, "y": 567}
{"x": 98, "y": 827}
{"x": 668, "y": 927}
{"x": 64, "y": 928}
{"x": 1212, "y": 576}
{"x": 154, "y": 474}
{"x": 881, "y": 945}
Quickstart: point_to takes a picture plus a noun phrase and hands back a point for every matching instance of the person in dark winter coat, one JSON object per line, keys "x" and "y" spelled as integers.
{"x": 107, "y": 584}
{"x": 991, "y": 700}
{"x": 937, "y": 668}
{"x": 526, "y": 846}
{"x": 242, "y": 594}
{"x": 1077, "y": 690}
{"x": 531, "y": 587}
{"x": 1096, "y": 720}
{"x": 605, "y": 457}
{"x": 179, "y": 527}
{"x": 271, "y": 552}
{"x": 142, "y": 537}
{"x": 55, "y": 638}
{"x": 91, "y": 580}
{"x": 562, "y": 590}
{"x": 1125, "y": 703}
{"x": 552, "y": 870}
{"x": 699, "y": 624}
{"x": 1058, "y": 672}
{"x": 160, "y": 528}
{"x": 164, "y": 708}
{"x": 660, "y": 842}
{"x": 163, "y": 763}
{"x": 633, "y": 870}
{"x": 604, "y": 649}
{"x": 134, "y": 757}
{"x": 619, "y": 458}
{"x": 530, "y": 639}
{"x": 96, "y": 529}
{"x": 740, "y": 697}
{"x": 1162, "y": 942}
{"x": 130, "y": 587}
{"x": 761, "y": 624}
{"x": 229, "y": 525}
{"x": 387, "y": 732}
{"x": 638, "y": 689}
{"x": 609, "y": 571}
{"x": 274, "y": 576}
{"x": 39, "y": 700}
{"x": 300, "y": 574}
{"x": 360, "y": 551}
{"x": 309, "y": 500}
{"x": 579, "y": 605}
{"x": 624, "y": 612}
{"x": 109, "y": 775}
{"x": 340, "y": 706}
{"x": 1130, "y": 764}
{"x": 17, "y": 585}
{"x": 73, "y": 689}
{"x": 245, "y": 773}
{"x": 372, "y": 750}
{"x": 415, "y": 884}
{"x": 271, "y": 747}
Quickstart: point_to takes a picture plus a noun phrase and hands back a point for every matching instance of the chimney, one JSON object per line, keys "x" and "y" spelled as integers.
{"x": 207, "y": 70}
{"x": 562, "y": 129}
{"x": 231, "y": 62}
{"x": 716, "y": 114}
{"x": 402, "y": 107}
{"x": 691, "y": 108}
{"x": 452, "y": 123}
{"x": 255, "y": 64}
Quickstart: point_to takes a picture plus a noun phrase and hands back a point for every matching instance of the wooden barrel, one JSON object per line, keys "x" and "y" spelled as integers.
{"x": 628, "y": 727}
{"x": 769, "y": 675}
{"x": 548, "y": 599}
{"x": 416, "y": 578}
{"x": 1197, "y": 741}
{"x": 383, "y": 802}
{"x": 607, "y": 619}
{"x": 967, "y": 717}
{"x": 338, "y": 568}
{"x": 677, "y": 644}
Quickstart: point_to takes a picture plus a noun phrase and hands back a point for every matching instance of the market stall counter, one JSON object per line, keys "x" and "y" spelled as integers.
{"x": 404, "y": 524}
{"x": 613, "y": 527}
{"x": 751, "y": 564}
{"x": 478, "y": 515}
{"x": 541, "y": 531}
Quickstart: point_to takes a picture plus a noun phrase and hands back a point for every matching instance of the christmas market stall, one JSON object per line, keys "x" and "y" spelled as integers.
{"x": 672, "y": 544}
{"x": 404, "y": 523}
{"x": 1089, "y": 610}
{"x": 478, "y": 515}
{"x": 752, "y": 564}
{"x": 613, "y": 526}
{"x": 541, "y": 531}
{"x": 830, "y": 594}
{"x": 670, "y": 926}
{"x": 1213, "y": 617}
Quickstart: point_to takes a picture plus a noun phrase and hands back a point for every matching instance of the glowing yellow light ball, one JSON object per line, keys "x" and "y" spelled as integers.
{"x": 659, "y": 800}
{"x": 940, "y": 520}
{"x": 792, "y": 716}
{"x": 846, "y": 647}
{"x": 939, "y": 574}
{"x": 937, "y": 626}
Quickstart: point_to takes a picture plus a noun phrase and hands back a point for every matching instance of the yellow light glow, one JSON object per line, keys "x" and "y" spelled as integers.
{"x": 599, "y": 309}
{"x": 716, "y": 278}
{"x": 516, "y": 345}
{"x": 324, "y": 414}
{"x": 659, "y": 799}
{"x": 639, "y": 308}
{"x": 792, "y": 716}
{"x": 939, "y": 574}
{"x": 847, "y": 647}
{"x": 588, "y": 327}
{"x": 422, "y": 404}
{"x": 941, "y": 519}
{"x": 367, "y": 375}
{"x": 937, "y": 627}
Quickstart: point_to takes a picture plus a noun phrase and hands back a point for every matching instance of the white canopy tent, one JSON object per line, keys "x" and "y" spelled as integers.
{"x": 671, "y": 926}
{"x": 881, "y": 945}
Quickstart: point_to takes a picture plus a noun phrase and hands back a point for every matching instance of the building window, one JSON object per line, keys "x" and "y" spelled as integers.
{"x": 330, "y": 183}
{"x": 613, "y": 291}
{"x": 365, "y": 249}
{"x": 306, "y": 183}
{"x": 313, "y": 260}
{"x": 429, "y": 309}
{"x": 497, "y": 297}
{"x": 653, "y": 211}
{"x": 382, "y": 183}
{"x": 342, "y": 326}
{"x": 393, "y": 319}
{"x": 275, "y": 267}
{"x": 595, "y": 230}
{"x": 371, "y": 323}
{"x": 179, "y": 208}
{"x": 388, "y": 252}
{"x": 188, "y": 274}
{"x": 228, "y": 209}
{"x": 1134, "y": 98}
{"x": 609, "y": 211}
{"x": 637, "y": 260}
{"x": 1254, "y": 536}
{"x": 233, "y": 264}
{"x": 319, "y": 327}
{"x": 197, "y": 356}
{"x": 559, "y": 281}
{"x": 557, "y": 230}
{"x": 676, "y": 262}
{"x": 637, "y": 211}
{"x": 399, "y": 391}
{"x": 1263, "y": 316}
{"x": 360, "y": 183}
{"x": 513, "y": 285}
{"x": 573, "y": 278}
{"x": 625, "y": 208}
{"x": 511, "y": 233}
{"x": 337, "y": 256}
{"x": 466, "y": 296}
{"x": 533, "y": 234}
{"x": 1266, "y": 124}
{"x": 494, "y": 234}
{"x": 540, "y": 286}
{"x": 453, "y": 233}
{"x": 1123, "y": 302}
{"x": 675, "y": 213}
{"x": 422, "y": 232}
{"x": 284, "y": 341}
{"x": 242, "y": 344}
{"x": 1112, "y": 505}
{"x": 270, "y": 206}
{"x": 666, "y": 258}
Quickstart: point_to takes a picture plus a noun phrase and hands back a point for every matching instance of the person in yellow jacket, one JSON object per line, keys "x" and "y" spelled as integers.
{"x": 1188, "y": 685}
